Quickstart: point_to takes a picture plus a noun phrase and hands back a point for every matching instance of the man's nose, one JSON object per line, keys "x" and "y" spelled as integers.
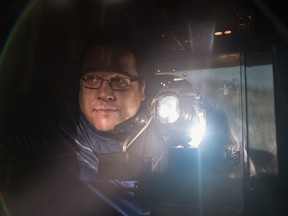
{"x": 105, "y": 92}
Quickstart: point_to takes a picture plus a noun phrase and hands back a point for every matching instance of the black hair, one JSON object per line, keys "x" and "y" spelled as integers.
{"x": 126, "y": 40}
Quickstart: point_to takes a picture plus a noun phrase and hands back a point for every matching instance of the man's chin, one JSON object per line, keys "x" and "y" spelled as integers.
{"x": 105, "y": 126}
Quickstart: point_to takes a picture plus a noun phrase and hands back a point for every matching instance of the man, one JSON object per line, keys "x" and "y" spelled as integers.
{"x": 111, "y": 91}
{"x": 55, "y": 149}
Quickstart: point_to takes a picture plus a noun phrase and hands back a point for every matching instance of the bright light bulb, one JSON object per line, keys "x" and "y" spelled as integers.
{"x": 168, "y": 110}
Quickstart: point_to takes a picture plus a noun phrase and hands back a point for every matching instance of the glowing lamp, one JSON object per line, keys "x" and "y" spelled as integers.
{"x": 167, "y": 108}
{"x": 180, "y": 113}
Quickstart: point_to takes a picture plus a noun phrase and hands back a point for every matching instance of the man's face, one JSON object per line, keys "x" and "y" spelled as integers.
{"x": 104, "y": 107}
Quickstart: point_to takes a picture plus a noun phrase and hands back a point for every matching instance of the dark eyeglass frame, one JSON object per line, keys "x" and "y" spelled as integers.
{"x": 131, "y": 79}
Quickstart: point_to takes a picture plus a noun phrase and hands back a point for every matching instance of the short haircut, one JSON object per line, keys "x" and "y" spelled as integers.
{"x": 125, "y": 40}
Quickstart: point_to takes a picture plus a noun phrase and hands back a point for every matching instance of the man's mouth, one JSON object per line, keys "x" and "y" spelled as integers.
{"x": 105, "y": 110}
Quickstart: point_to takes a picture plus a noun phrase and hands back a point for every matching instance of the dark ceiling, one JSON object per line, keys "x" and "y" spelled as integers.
{"x": 173, "y": 17}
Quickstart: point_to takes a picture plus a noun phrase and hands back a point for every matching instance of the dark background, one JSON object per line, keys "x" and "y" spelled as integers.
{"x": 9, "y": 12}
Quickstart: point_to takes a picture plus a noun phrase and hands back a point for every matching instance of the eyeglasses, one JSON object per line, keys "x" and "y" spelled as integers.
{"x": 116, "y": 83}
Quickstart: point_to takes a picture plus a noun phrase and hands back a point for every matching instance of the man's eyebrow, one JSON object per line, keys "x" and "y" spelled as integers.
{"x": 95, "y": 70}
{"x": 125, "y": 73}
